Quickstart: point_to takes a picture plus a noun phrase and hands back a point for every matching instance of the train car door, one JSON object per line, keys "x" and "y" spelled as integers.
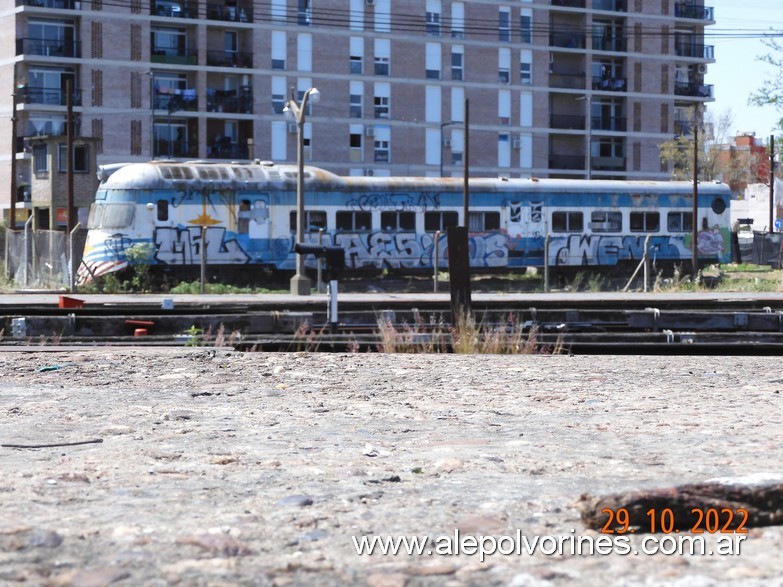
{"x": 526, "y": 231}
{"x": 259, "y": 222}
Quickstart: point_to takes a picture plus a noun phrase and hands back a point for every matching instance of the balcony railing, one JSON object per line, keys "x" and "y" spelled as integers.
{"x": 613, "y": 5}
{"x": 230, "y": 13}
{"x": 694, "y": 50}
{"x": 571, "y": 81}
{"x": 230, "y": 59}
{"x": 574, "y": 162}
{"x": 48, "y": 48}
{"x": 223, "y": 148}
{"x": 616, "y": 45}
{"x": 683, "y": 127}
{"x": 235, "y": 101}
{"x": 184, "y": 148}
{"x": 61, "y": 4}
{"x": 174, "y": 56}
{"x": 686, "y": 10}
{"x": 614, "y": 123}
{"x": 693, "y": 89}
{"x": 175, "y": 100}
{"x": 609, "y": 84}
{"x": 567, "y": 39}
{"x": 567, "y": 121}
{"x": 569, "y": 3}
{"x": 608, "y": 163}
{"x": 51, "y": 96}
{"x": 173, "y": 9}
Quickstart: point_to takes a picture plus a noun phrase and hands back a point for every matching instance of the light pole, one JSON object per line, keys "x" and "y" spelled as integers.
{"x": 300, "y": 284}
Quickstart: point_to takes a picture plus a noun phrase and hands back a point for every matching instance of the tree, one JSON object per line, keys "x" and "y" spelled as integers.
{"x": 771, "y": 91}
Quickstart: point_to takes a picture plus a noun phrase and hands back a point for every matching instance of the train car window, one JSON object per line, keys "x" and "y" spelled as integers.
{"x": 483, "y": 221}
{"x": 719, "y": 205}
{"x": 111, "y": 216}
{"x": 604, "y": 221}
{"x": 680, "y": 221}
{"x": 243, "y": 217}
{"x": 353, "y": 221}
{"x": 163, "y": 210}
{"x": 315, "y": 220}
{"x": 567, "y": 221}
{"x": 439, "y": 220}
{"x": 645, "y": 221}
{"x": 391, "y": 221}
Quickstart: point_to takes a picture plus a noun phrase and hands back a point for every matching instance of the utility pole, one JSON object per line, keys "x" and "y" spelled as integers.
{"x": 70, "y": 208}
{"x": 695, "y": 249}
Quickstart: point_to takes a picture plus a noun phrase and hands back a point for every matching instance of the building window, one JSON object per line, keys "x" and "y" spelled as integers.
{"x": 315, "y": 220}
{"x": 356, "y": 106}
{"x": 391, "y": 221}
{"x": 381, "y": 151}
{"x": 81, "y": 158}
{"x": 526, "y": 26}
{"x": 526, "y": 67}
{"x": 40, "y": 156}
{"x": 432, "y": 60}
{"x": 458, "y": 20}
{"x": 278, "y": 50}
{"x": 457, "y": 63}
{"x": 353, "y": 221}
{"x": 433, "y": 18}
{"x": 305, "y": 13}
{"x": 504, "y": 24}
{"x": 602, "y": 221}
{"x": 434, "y": 221}
{"x": 381, "y": 107}
{"x": 645, "y": 221}
{"x": 356, "y": 64}
{"x": 679, "y": 221}
{"x": 567, "y": 221}
{"x": 504, "y": 66}
{"x": 356, "y": 148}
{"x": 382, "y": 66}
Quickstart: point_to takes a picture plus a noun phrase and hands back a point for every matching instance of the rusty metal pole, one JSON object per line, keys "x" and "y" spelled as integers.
{"x": 70, "y": 208}
{"x": 695, "y": 222}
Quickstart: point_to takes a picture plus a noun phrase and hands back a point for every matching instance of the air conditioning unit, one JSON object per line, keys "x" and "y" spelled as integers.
{"x": 701, "y": 68}
{"x": 292, "y": 128}
{"x": 447, "y": 143}
{"x": 369, "y": 131}
{"x": 516, "y": 144}
{"x": 369, "y": 172}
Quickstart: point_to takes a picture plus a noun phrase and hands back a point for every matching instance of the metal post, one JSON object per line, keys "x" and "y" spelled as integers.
{"x": 546, "y": 262}
{"x": 333, "y": 318}
{"x": 465, "y": 186}
{"x": 646, "y": 261}
{"x": 300, "y": 284}
{"x": 70, "y": 208}
{"x": 694, "y": 247}
{"x": 12, "y": 209}
{"x": 435, "y": 262}
{"x": 71, "y": 267}
{"x": 203, "y": 287}
{"x": 319, "y": 263}
{"x": 27, "y": 250}
{"x": 771, "y": 183}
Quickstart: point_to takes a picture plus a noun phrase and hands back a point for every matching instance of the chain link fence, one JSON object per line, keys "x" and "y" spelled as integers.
{"x": 38, "y": 259}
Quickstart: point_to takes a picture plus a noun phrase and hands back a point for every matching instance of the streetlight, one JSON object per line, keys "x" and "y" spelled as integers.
{"x": 300, "y": 284}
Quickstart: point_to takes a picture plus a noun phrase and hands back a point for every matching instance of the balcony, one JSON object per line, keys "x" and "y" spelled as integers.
{"x": 174, "y": 56}
{"x": 48, "y": 48}
{"x": 175, "y": 100}
{"x": 612, "y": 123}
{"x": 569, "y": 3}
{"x": 567, "y": 121}
{"x": 617, "y": 45}
{"x": 609, "y": 84}
{"x": 230, "y": 13}
{"x": 570, "y": 81}
{"x": 230, "y": 59}
{"x": 572, "y": 162}
{"x": 694, "y": 50}
{"x": 50, "y": 96}
{"x": 687, "y": 10}
{"x": 233, "y": 101}
{"x": 223, "y": 148}
{"x": 611, "y": 5}
{"x": 693, "y": 89}
{"x": 60, "y": 4}
{"x": 567, "y": 39}
{"x": 171, "y": 9}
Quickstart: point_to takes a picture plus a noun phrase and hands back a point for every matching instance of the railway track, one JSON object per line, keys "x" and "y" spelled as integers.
{"x": 607, "y": 324}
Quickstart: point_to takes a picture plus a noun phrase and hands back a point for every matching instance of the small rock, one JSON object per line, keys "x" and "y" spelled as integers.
{"x": 295, "y": 500}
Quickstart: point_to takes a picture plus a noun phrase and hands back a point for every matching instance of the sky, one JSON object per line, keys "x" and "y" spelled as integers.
{"x": 737, "y": 72}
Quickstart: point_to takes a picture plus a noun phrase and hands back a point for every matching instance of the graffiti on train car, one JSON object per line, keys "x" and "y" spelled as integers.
{"x": 395, "y": 202}
{"x": 182, "y": 246}
{"x": 580, "y": 249}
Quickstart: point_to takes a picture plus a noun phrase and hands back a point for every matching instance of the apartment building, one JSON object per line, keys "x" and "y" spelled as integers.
{"x": 555, "y": 88}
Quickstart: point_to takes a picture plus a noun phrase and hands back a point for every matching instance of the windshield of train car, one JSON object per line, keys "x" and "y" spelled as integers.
{"x": 110, "y": 216}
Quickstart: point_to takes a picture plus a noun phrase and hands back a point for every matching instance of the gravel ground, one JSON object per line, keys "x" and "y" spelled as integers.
{"x": 209, "y": 467}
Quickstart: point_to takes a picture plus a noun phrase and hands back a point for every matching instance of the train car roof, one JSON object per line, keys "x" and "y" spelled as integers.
{"x": 220, "y": 175}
